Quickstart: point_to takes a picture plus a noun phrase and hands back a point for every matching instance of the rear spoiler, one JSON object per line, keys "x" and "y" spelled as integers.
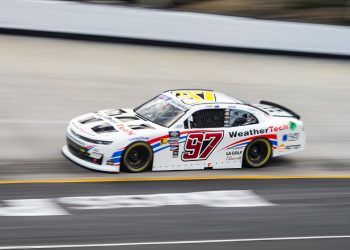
{"x": 295, "y": 115}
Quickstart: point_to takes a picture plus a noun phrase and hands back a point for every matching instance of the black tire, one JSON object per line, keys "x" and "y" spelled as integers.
{"x": 137, "y": 157}
{"x": 258, "y": 153}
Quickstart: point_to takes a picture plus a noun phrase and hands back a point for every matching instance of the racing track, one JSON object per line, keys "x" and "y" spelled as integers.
{"x": 45, "y": 82}
{"x": 290, "y": 208}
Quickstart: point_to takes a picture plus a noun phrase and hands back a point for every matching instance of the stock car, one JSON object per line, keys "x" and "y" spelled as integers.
{"x": 184, "y": 130}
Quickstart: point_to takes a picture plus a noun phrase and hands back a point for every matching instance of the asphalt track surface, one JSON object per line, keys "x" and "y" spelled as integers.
{"x": 298, "y": 208}
{"x": 46, "y": 82}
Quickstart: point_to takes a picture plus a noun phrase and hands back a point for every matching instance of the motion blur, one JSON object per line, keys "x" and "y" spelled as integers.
{"x": 60, "y": 59}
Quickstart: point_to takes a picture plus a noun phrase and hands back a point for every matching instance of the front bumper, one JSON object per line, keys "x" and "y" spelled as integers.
{"x": 87, "y": 164}
{"x": 82, "y": 152}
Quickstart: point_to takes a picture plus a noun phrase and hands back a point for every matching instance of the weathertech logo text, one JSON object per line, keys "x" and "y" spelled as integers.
{"x": 258, "y": 131}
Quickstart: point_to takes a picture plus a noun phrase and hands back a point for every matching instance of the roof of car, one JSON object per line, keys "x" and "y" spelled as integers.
{"x": 200, "y": 96}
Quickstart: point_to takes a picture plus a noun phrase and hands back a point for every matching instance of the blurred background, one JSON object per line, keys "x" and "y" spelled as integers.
{"x": 317, "y": 11}
{"x": 60, "y": 59}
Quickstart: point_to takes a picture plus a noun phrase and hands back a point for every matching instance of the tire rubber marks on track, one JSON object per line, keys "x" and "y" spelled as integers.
{"x": 69, "y": 205}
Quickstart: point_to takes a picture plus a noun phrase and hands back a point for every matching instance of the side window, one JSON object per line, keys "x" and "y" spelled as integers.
{"x": 241, "y": 118}
{"x": 206, "y": 118}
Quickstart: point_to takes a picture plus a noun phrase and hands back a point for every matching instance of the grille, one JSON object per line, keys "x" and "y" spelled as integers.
{"x": 81, "y": 152}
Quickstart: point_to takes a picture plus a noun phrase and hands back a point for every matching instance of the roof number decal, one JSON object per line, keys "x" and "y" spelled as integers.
{"x": 194, "y": 96}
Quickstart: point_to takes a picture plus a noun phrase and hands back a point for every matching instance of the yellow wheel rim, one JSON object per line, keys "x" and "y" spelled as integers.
{"x": 144, "y": 166}
{"x": 267, "y": 156}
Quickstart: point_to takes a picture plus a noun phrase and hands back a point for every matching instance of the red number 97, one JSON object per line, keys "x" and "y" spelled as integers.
{"x": 200, "y": 145}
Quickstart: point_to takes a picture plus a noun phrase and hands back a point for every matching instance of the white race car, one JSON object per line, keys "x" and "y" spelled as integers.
{"x": 184, "y": 130}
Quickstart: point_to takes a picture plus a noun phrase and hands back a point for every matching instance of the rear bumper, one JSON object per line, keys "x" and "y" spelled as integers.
{"x": 105, "y": 168}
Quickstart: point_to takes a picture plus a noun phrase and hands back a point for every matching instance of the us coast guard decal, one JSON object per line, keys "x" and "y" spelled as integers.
{"x": 199, "y": 145}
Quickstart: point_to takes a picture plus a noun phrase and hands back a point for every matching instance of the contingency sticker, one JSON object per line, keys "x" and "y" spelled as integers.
{"x": 174, "y": 137}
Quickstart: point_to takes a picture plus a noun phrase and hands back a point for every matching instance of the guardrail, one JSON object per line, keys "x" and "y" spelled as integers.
{"x": 147, "y": 26}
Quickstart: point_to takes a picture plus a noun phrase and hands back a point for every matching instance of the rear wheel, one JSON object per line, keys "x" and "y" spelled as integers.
{"x": 137, "y": 157}
{"x": 258, "y": 153}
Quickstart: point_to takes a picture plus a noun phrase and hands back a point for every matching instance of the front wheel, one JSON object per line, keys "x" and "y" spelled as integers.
{"x": 137, "y": 157}
{"x": 258, "y": 153}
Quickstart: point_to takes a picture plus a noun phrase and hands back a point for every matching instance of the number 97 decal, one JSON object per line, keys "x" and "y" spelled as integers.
{"x": 199, "y": 145}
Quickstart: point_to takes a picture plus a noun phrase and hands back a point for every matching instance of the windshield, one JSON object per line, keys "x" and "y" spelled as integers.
{"x": 161, "y": 110}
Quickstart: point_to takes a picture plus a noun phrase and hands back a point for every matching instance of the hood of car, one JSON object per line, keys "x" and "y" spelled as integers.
{"x": 111, "y": 124}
